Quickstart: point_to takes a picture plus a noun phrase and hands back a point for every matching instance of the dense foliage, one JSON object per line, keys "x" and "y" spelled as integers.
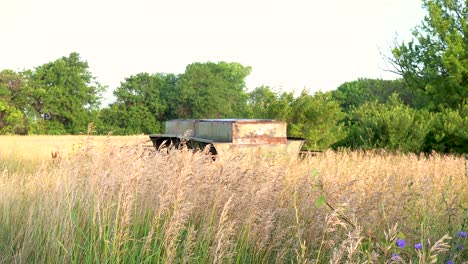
{"x": 435, "y": 62}
{"x": 139, "y": 107}
{"x": 426, "y": 110}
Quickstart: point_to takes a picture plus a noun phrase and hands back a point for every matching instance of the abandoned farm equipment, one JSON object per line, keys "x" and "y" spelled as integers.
{"x": 249, "y": 136}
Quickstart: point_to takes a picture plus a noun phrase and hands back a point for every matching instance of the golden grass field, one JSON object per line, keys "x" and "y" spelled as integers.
{"x": 40, "y": 147}
{"x": 100, "y": 202}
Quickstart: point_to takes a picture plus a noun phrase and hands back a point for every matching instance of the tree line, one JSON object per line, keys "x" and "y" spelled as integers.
{"x": 426, "y": 110}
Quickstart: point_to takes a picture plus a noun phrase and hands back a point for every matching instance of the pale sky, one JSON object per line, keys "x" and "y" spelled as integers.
{"x": 289, "y": 44}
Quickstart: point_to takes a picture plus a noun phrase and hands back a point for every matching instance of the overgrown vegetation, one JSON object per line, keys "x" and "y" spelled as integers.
{"x": 113, "y": 204}
{"x": 424, "y": 111}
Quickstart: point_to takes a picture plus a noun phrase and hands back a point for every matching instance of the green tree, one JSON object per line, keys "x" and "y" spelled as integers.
{"x": 139, "y": 107}
{"x": 435, "y": 62}
{"x": 212, "y": 90}
{"x": 265, "y": 103}
{"x": 5, "y": 83}
{"x": 316, "y": 118}
{"x": 355, "y": 93}
{"x": 169, "y": 96}
{"x": 12, "y": 103}
{"x": 63, "y": 95}
{"x": 13, "y": 88}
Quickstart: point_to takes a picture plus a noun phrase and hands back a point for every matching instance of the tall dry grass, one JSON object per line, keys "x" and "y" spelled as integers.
{"x": 114, "y": 204}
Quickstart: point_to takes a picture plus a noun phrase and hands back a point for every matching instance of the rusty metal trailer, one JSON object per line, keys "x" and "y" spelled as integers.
{"x": 254, "y": 136}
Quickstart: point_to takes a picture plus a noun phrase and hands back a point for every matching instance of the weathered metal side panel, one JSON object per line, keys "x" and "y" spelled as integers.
{"x": 180, "y": 127}
{"x": 216, "y": 131}
{"x": 294, "y": 146}
{"x": 271, "y": 133}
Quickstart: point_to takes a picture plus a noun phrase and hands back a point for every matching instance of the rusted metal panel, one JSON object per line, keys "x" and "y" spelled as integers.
{"x": 271, "y": 132}
{"x": 236, "y": 120}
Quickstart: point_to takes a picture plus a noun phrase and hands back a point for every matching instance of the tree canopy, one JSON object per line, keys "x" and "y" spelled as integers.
{"x": 63, "y": 95}
{"x": 139, "y": 107}
{"x": 264, "y": 102}
{"x": 355, "y": 93}
{"x": 435, "y": 62}
{"x": 12, "y": 103}
{"x": 212, "y": 90}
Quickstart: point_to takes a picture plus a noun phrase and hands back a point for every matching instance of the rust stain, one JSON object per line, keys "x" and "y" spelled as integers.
{"x": 254, "y": 133}
{"x": 259, "y": 140}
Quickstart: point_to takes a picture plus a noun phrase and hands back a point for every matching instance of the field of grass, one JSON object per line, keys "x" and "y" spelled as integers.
{"x": 99, "y": 202}
{"x": 41, "y": 147}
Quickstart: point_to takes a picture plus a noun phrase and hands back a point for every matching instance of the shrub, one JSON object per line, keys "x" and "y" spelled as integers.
{"x": 393, "y": 126}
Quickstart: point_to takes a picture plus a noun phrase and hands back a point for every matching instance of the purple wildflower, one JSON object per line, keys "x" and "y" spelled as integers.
{"x": 395, "y": 257}
{"x": 449, "y": 262}
{"x": 401, "y": 243}
{"x": 459, "y": 247}
{"x": 462, "y": 234}
{"x": 418, "y": 246}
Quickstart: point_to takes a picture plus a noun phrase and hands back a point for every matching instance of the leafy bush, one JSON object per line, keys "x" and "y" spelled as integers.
{"x": 393, "y": 126}
{"x": 449, "y": 132}
{"x": 315, "y": 118}
{"x": 12, "y": 120}
{"x": 43, "y": 127}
